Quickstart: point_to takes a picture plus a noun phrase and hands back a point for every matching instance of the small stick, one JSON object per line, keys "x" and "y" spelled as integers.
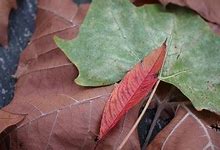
{"x": 140, "y": 117}
{"x": 160, "y": 108}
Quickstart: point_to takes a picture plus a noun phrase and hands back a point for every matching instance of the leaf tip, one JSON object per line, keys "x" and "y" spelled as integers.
{"x": 164, "y": 45}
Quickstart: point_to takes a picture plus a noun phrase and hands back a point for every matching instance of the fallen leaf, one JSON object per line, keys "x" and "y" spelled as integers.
{"x": 207, "y": 9}
{"x": 142, "y": 2}
{"x": 189, "y": 129}
{"x": 60, "y": 114}
{"x": 160, "y": 112}
{"x": 8, "y": 119}
{"x": 5, "y": 8}
{"x": 120, "y": 40}
{"x": 136, "y": 84}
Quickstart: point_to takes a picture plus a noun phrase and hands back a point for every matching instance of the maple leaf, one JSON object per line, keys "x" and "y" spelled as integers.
{"x": 189, "y": 129}
{"x": 59, "y": 113}
{"x": 5, "y": 8}
{"x": 136, "y": 84}
{"x": 8, "y": 119}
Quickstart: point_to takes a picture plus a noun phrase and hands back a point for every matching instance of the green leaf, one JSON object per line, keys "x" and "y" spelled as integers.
{"x": 193, "y": 61}
{"x": 116, "y": 35}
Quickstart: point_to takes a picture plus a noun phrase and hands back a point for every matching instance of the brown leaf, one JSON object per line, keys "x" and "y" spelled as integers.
{"x": 189, "y": 129}
{"x": 5, "y": 8}
{"x": 8, "y": 119}
{"x": 136, "y": 84}
{"x": 61, "y": 114}
{"x": 142, "y": 2}
{"x": 209, "y": 9}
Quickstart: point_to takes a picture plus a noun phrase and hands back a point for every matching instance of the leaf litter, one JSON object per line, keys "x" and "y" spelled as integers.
{"x": 189, "y": 129}
{"x": 5, "y": 8}
{"x": 178, "y": 70}
{"x": 35, "y": 67}
{"x": 59, "y": 113}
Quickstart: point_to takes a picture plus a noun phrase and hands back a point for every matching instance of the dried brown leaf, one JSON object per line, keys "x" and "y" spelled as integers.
{"x": 5, "y": 8}
{"x": 142, "y": 2}
{"x": 8, "y": 119}
{"x": 207, "y": 9}
{"x": 189, "y": 129}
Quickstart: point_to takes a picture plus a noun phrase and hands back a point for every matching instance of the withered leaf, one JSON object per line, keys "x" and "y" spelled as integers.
{"x": 189, "y": 129}
{"x": 8, "y": 119}
{"x": 207, "y": 9}
{"x": 142, "y": 2}
{"x": 5, "y": 8}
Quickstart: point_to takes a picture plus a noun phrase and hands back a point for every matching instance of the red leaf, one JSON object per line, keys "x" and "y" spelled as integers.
{"x": 136, "y": 84}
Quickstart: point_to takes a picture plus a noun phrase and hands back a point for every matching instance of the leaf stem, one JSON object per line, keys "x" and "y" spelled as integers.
{"x": 140, "y": 117}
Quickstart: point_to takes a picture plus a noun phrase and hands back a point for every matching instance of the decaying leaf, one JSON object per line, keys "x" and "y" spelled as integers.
{"x": 142, "y": 2}
{"x": 120, "y": 40}
{"x": 8, "y": 119}
{"x": 188, "y": 130}
{"x": 207, "y": 9}
{"x": 5, "y": 8}
{"x": 136, "y": 84}
{"x": 60, "y": 114}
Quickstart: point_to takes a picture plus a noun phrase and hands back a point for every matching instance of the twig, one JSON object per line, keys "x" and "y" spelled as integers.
{"x": 160, "y": 108}
{"x": 157, "y": 115}
{"x": 140, "y": 117}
